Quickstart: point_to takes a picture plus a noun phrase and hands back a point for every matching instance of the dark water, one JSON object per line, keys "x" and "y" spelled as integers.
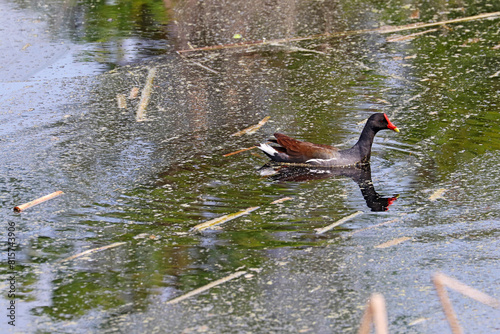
{"x": 148, "y": 183}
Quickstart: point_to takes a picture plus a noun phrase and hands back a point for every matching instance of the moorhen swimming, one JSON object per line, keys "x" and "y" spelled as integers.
{"x": 299, "y": 152}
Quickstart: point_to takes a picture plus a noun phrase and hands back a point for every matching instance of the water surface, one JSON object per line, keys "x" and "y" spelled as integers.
{"x": 148, "y": 183}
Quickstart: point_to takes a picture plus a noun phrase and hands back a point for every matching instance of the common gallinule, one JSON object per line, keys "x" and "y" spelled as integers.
{"x": 300, "y": 152}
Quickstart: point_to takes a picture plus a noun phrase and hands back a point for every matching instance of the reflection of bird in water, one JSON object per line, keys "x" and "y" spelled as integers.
{"x": 361, "y": 175}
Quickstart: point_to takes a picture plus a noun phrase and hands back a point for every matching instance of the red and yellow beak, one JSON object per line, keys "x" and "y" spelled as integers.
{"x": 390, "y": 125}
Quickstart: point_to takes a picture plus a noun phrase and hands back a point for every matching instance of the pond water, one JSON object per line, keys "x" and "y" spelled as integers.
{"x": 146, "y": 184}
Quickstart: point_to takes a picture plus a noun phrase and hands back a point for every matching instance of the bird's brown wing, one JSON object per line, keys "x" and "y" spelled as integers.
{"x": 303, "y": 151}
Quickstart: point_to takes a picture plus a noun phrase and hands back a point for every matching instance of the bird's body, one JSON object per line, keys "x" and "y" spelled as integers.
{"x": 295, "y": 151}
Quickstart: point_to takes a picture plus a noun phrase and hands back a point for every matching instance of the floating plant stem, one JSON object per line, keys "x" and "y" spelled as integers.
{"x": 90, "y": 251}
{"x": 145, "y": 95}
{"x": 253, "y": 128}
{"x": 408, "y": 37}
{"x": 393, "y": 242}
{"x": 24, "y": 206}
{"x": 376, "y": 313}
{"x": 337, "y": 223}
{"x": 206, "y": 287}
{"x": 446, "y": 304}
{"x": 122, "y": 102}
{"x": 239, "y": 151}
{"x": 382, "y": 30}
{"x": 281, "y": 200}
{"x": 223, "y": 219}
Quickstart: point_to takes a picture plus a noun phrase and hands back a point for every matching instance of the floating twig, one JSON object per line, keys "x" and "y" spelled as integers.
{"x": 239, "y": 151}
{"x": 446, "y": 304}
{"x": 223, "y": 219}
{"x": 94, "y": 250}
{"x": 385, "y": 30}
{"x": 134, "y": 92}
{"x": 393, "y": 242}
{"x": 376, "y": 313}
{"x": 122, "y": 102}
{"x": 145, "y": 95}
{"x": 337, "y": 223}
{"x": 281, "y": 200}
{"x": 466, "y": 290}
{"x": 297, "y": 49}
{"x": 497, "y": 74}
{"x": 381, "y": 30}
{"x": 408, "y": 37}
{"x": 206, "y": 287}
{"x": 24, "y": 206}
{"x": 197, "y": 64}
{"x": 253, "y": 128}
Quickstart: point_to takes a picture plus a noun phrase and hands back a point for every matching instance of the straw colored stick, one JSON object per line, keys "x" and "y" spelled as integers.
{"x": 375, "y": 312}
{"x": 197, "y": 64}
{"x": 94, "y": 250}
{"x": 223, "y": 219}
{"x": 253, "y": 128}
{"x": 122, "y": 102}
{"x": 24, "y": 206}
{"x": 497, "y": 74}
{"x": 407, "y": 37}
{"x": 133, "y": 93}
{"x": 382, "y": 30}
{"x": 206, "y": 287}
{"x": 294, "y": 48}
{"x": 385, "y": 30}
{"x": 393, "y": 242}
{"x": 281, "y": 200}
{"x": 468, "y": 291}
{"x": 145, "y": 95}
{"x": 239, "y": 151}
{"x": 446, "y": 304}
{"x": 337, "y": 223}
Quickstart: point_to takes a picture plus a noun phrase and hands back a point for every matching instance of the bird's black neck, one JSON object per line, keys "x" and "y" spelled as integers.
{"x": 364, "y": 144}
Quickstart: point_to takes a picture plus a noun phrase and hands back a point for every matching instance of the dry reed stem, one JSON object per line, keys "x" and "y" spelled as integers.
{"x": 122, "y": 102}
{"x": 393, "y": 242}
{"x": 468, "y": 291}
{"x": 42, "y": 199}
{"x": 375, "y": 312}
{"x": 497, "y": 74}
{"x": 382, "y": 30}
{"x": 197, "y": 64}
{"x": 223, "y": 219}
{"x": 253, "y": 128}
{"x": 337, "y": 223}
{"x": 281, "y": 200}
{"x": 145, "y": 95}
{"x": 407, "y": 37}
{"x": 94, "y": 250}
{"x": 441, "y": 281}
{"x": 133, "y": 93}
{"x": 206, "y": 287}
{"x": 239, "y": 151}
{"x": 446, "y": 304}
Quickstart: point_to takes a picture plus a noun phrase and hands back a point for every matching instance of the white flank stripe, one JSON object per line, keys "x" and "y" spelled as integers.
{"x": 268, "y": 149}
{"x": 320, "y": 161}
